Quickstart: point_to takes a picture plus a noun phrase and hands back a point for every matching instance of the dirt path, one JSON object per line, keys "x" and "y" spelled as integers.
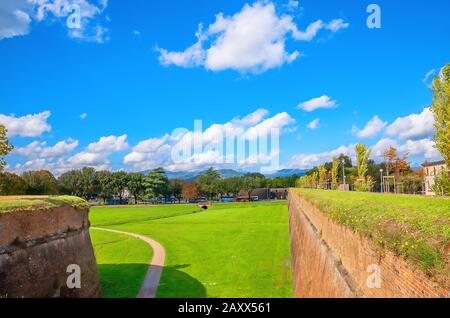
{"x": 151, "y": 281}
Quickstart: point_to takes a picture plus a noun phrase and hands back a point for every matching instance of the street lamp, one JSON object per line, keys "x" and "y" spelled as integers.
{"x": 343, "y": 171}
{"x": 381, "y": 180}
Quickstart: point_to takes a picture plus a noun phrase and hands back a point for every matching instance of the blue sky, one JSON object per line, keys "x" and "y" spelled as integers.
{"x": 136, "y": 68}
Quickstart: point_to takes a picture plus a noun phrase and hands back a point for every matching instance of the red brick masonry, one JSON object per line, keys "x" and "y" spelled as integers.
{"x": 331, "y": 260}
{"x": 36, "y": 247}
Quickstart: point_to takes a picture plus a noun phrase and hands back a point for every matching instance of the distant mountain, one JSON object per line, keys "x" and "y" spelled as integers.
{"x": 286, "y": 173}
{"x": 190, "y": 176}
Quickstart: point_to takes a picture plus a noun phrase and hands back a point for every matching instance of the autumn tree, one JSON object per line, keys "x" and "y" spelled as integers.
{"x": 363, "y": 183}
{"x": 191, "y": 191}
{"x": 12, "y": 184}
{"x": 323, "y": 176}
{"x": 5, "y": 147}
{"x": 334, "y": 173}
{"x": 394, "y": 163}
{"x": 441, "y": 111}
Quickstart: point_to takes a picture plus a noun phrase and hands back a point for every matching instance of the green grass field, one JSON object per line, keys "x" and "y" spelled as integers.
{"x": 230, "y": 250}
{"x": 416, "y": 227}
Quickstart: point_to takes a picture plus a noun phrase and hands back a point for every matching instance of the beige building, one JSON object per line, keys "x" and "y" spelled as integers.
{"x": 430, "y": 171}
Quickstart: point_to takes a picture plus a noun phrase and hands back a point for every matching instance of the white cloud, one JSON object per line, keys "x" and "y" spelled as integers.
{"x": 423, "y": 148}
{"x": 372, "y": 128}
{"x": 414, "y": 126}
{"x": 336, "y": 25}
{"x": 317, "y": 103}
{"x": 292, "y": 5}
{"x": 154, "y": 152}
{"x": 314, "y": 124}
{"x": 136, "y": 32}
{"x": 252, "y": 40}
{"x": 41, "y": 150}
{"x": 26, "y": 126}
{"x": 83, "y": 116}
{"x": 309, "y": 160}
{"x": 16, "y": 16}
{"x": 109, "y": 144}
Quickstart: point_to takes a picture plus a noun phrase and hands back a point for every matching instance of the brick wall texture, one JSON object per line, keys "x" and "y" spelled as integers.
{"x": 332, "y": 261}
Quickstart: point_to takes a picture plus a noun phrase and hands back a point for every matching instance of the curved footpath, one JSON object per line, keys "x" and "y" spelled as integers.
{"x": 151, "y": 281}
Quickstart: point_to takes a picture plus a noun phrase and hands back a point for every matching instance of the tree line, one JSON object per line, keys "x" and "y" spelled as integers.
{"x": 154, "y": 186}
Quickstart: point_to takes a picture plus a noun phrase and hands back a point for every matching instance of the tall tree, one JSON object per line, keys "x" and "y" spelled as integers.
{"x": 135, "y": 185}
{"x": 5, "y": 147}
{"x": 70, "y": 183}
{"x": 89, "y": 182}
{"x": 208, "y": 182}
{"x": 120, "y": 181}
{"x": 441, "y": 111}
{"x": 335, "y": 173}
{"x": 12, "y": 184}
{"x": 362, "y": 157}
{"x": 40, "y": 182}
{"x": 176, "y": 186}
{"x": 394, "y": 163}
{"x": 105, "y": 182}
{"x": 249, "y": 184}
{"x": 157, "y": 184}
{"x": 323, "y": 176}
{"x": 191, "y": 191}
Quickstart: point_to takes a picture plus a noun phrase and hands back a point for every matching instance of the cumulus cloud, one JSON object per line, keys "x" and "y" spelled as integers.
{"x": 17, "y": 15}
{"x": 314, "y": 124}
{"x": 41, "y": 150}
{"x": 372, "y": 128}
{"x": 109, "y": 144}
{"x": 252, "y": 40}
{"x": 32, "y": 125}
{"x": 208, "y": 146}
{"x": 317, "y": 103}
{"x": 414, "y": 126}
{"x": 309, "y": 160}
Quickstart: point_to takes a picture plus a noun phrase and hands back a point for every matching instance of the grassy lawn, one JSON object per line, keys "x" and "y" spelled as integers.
{"x": 231, "y": 250}
{"x": 418, "y": 228}
{"x": 122, "y": 263}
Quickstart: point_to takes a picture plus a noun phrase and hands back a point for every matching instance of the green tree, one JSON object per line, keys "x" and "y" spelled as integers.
{"x": 119, "y": 183}
{"x": 362, "y": 157}
{"x": 5, "y": 147}
{"x": 135, "y": 185}
{"x": 40, "y": 182}
{"x": 12, "y": 184}
{"x": 105, "y": 183}
{"x": 442, "y": 184}
{"x": 335, "y": 173}
{"x": 157, "y": 184}
{"x": 176, "y": 186}
{"x": 233, "y": 185}
{"x": 249, "y": 184}
{"x": 323, "y": 177}
{"x": 208, "y": 182}
{"x": 88, "y": 182}
{"x": 441, "y": 111}
{"x": 70, "y": 183}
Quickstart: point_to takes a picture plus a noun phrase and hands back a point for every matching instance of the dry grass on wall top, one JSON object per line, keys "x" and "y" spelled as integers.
{"x": 416, "y": 228}
{"x": 9, "y": 204}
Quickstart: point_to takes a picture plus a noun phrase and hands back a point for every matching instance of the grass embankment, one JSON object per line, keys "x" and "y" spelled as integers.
{"x": 30, "y": 203}
{"x": 230, "y": 250}
{"x": 122, "y": 263}
{"x": 417, "y": 228}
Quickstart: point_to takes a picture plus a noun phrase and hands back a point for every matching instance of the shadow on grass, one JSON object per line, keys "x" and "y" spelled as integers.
{"x": 177, "y": 284}
{"x": 125, "y": 281}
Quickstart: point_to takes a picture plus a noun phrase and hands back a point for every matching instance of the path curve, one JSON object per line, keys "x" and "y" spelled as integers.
{"x": 151, "y": 280}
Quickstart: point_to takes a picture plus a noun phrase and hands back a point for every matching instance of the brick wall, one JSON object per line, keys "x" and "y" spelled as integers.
{"x": 330, "y": 260}
{"x": 36, "y": 248}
